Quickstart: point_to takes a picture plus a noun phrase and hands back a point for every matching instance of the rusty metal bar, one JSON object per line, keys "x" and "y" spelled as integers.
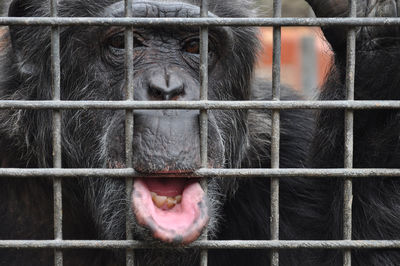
{"x": 349, "y": 134}
{"x": 203, "y": 244}
{"x": 275, "y": 132}
{"x": 208, "y": 105}
{"x": 129, "y": 120}
{"x": 204, "y": 172}
{"x": 56, "y": 132}
{"x": 204, "y": 113}
{"x": 154, "y": 22}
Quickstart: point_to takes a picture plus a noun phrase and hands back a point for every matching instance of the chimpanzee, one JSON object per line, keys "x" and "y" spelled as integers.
{"x": 175, "y": 209}
{"x": 376, "y": 201}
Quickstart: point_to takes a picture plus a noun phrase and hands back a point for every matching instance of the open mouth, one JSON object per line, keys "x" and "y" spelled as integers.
{"x": 174, "y": 209}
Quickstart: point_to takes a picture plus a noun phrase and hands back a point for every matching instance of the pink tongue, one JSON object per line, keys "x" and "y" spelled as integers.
{"x": 181, "y": 224}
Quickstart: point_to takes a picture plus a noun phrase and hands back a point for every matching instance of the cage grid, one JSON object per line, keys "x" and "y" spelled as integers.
{"x": 129, "y": 105}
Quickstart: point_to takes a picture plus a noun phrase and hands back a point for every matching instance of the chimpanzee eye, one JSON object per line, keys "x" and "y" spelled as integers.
{"x": 192, "y": 46}
{"x": 117, "y": 41}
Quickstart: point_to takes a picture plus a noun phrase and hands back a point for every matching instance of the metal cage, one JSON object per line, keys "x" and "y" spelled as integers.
{"x": 274, "y": 173}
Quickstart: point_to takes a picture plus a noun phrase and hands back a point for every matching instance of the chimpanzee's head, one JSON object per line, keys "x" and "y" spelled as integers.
{"x": 166, "y": 143}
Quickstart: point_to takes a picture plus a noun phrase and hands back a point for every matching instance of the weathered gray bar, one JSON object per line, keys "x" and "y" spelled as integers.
{"x": 56, "y": 131}
{"x": 204, "y": 244}
{"x": 204, "y": 104}
{"x": 152, "y": 22}
{"x": 203, "y": 113}
{"x": 129, "y": 120}
{"x": 204, "y": 172}
{"x": 275, "y": 131}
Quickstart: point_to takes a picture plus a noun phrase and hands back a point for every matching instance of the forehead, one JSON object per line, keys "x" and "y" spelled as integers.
{"x": 154, "y": 9}
{"x": 91, "y": 8}
{"x": 98, "y": 8}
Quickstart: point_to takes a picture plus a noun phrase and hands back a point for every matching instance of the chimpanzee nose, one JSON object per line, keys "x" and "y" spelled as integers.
{"x": 164, "y": 86}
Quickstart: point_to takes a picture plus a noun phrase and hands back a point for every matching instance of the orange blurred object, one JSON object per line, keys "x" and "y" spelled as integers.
{"x": 297, "y": 61}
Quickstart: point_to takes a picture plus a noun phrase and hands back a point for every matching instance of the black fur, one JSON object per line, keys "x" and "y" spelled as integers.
{"x": 95, "y": 208}
{"x": 376, "y": 143}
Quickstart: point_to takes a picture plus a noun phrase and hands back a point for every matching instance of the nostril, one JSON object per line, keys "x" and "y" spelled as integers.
{"x": 157, "y": 86}
{"x": 162, "y": 89}
{"x": 156, "y": 92}
{"x": 175, "y": 92}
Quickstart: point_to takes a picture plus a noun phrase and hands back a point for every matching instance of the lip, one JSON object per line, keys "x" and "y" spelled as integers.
{"x": 181, "y": 224}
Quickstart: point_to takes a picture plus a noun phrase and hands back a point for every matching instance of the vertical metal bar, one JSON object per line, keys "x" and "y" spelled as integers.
{"x": 275, "y": 134}
{"x": 203, "y": 113}
{"x": 349, "y": 134}
{"x": 129, "y": 91}
{"x": 56, "y": 131}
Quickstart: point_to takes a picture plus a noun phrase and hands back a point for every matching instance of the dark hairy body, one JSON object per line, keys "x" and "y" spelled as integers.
{"x": 166, "y": 68}
{"x": 376, "y": 201}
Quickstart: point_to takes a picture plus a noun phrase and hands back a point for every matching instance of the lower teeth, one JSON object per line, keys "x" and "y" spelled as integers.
{"x": 164, "y": 202}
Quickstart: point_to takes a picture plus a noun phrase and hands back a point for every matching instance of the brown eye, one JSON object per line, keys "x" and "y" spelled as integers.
{"x": 117, "y": 41}
{"x": 192, "y": 47}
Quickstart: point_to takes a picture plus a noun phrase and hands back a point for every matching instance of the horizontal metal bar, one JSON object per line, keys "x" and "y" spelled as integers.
{"x": 92, "y": 21}
{"x": 202, "y": 104}
{"x": 204, "y": 244}
{"x": 204, "y": 172}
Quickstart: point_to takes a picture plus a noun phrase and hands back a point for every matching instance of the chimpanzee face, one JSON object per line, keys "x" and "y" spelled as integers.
{"x": 167, "y": 203}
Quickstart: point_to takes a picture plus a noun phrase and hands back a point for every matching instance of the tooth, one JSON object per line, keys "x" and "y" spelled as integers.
{"x": 159, "y": 201}
{"x": 171, "y": 202}
{"x": 178, "y": 199}
{"x": 164, "y": 202}
{"x": 153, "y": 195}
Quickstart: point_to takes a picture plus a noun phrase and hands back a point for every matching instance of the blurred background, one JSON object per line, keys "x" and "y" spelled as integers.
{"x": 290, "y": 8}
{"x": 306, "y": 56}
